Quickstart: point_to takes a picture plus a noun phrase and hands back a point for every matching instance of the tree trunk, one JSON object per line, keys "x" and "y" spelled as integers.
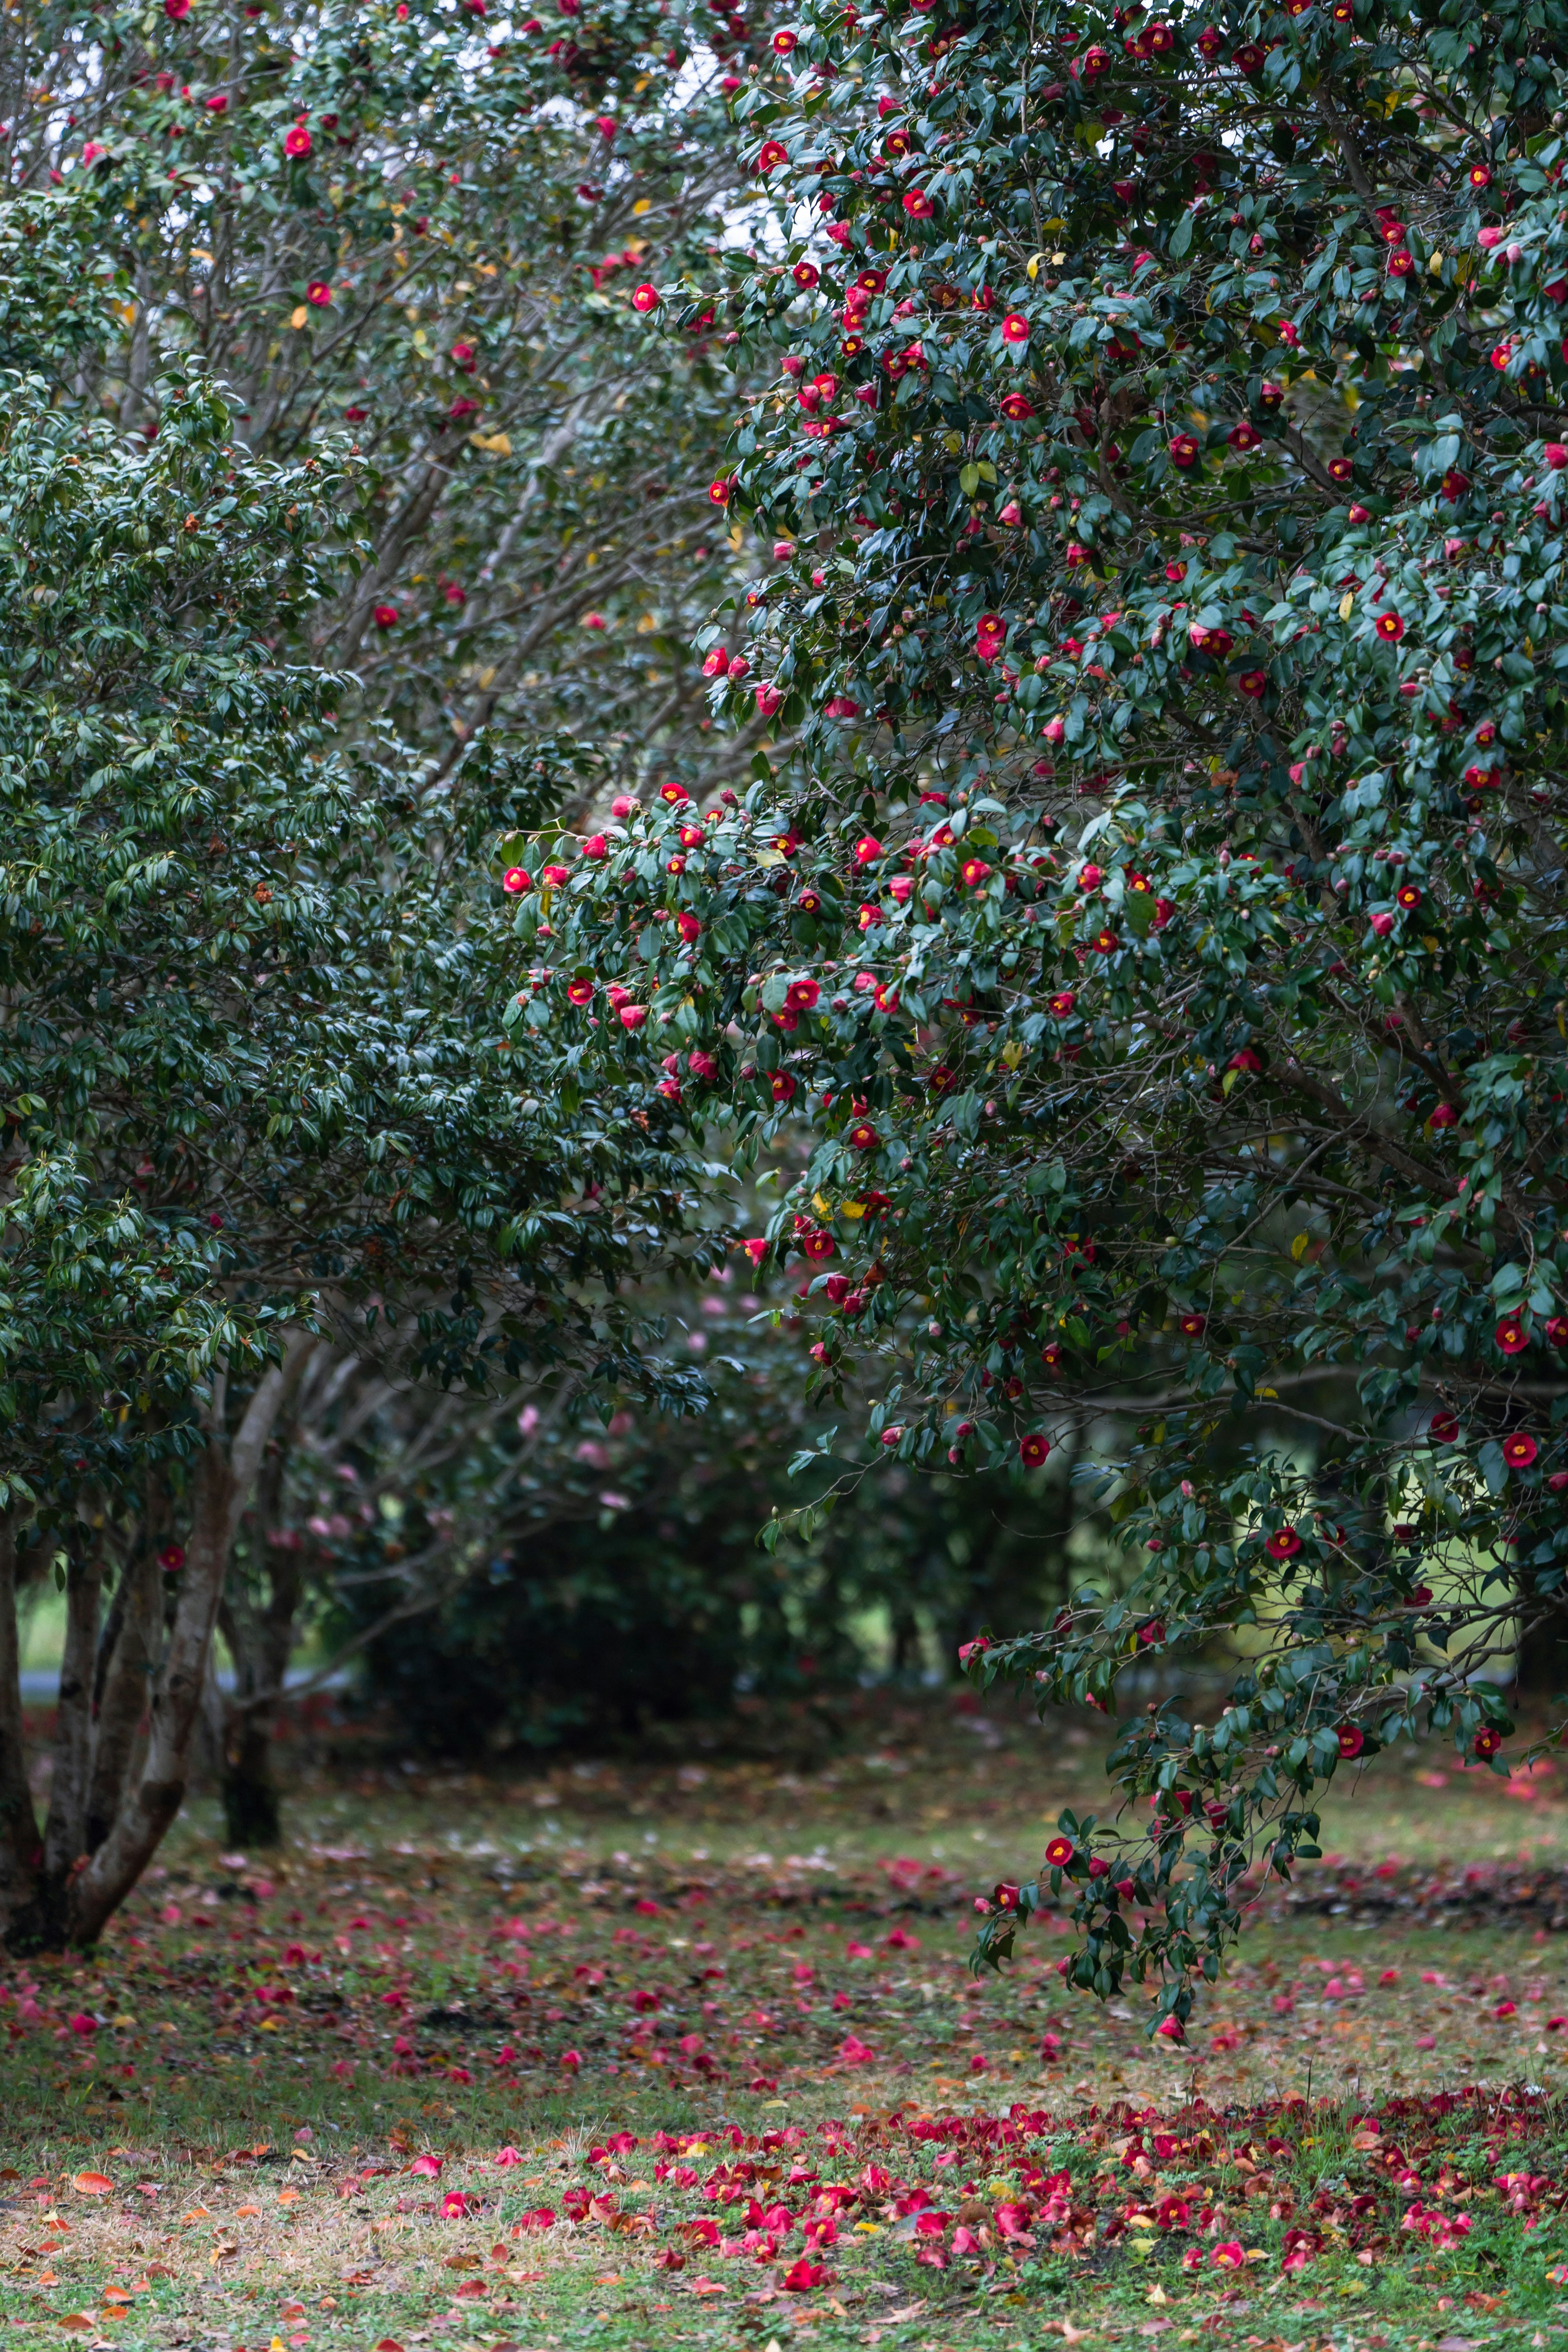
{"x": 252, "y": 1812}
{"x": 64, "y": 1893}
{"x": 21, "y": 1849}
{"x": 126, "y": 1665}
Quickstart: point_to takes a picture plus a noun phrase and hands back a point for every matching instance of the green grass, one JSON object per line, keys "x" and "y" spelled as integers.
{"x": 748, "y": 1949}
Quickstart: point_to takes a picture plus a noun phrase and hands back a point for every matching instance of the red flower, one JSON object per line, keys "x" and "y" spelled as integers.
{"x": 1006, "y": 1896}
{"x": 297, "y": 141}
{"x": 1014, "y": 327}
{"x": 1390, "y": 628}
{"x": 318, "y": 292}
{"x": 385, "y": 616}
{"x": 1341, "y": 469}
{"x": 1480, "y": 175}
{"x": 1520, "y": 1450}
{"x": 1409, "y": 897}
{"x": 973, "y": 873}
{"x": 1511, "y": 1336}
{"x": 918, "y": 205}
{"x": 990, "y": 635}
{"x": 1063, "y": 1004}
{"x": 1244, "y": 436}
{"x": 1016, "y": 408}
{"x": 1033, "y": 1450}
{"x": 1253, "y": 683}
{"x": 1184, "y": 451}
{"x": 1284, "y": 1544}
{"x": 1193, "y": 1327}
{"x": 1059, "y": 1853}
{"x": 1443, "y": 1428}
{"x": 783, "y": 42}
{"x": 1487, "y": 1742}
{"x": 867, "y": 849}
{"x": 1351, "y": 1740}
{"x": 687, "y": 924}
{"x": 863, "y": 1136}
{"x": 172, "y": 1558}
{"x": 644, "y": 298}
{"x": 579, "y": 991}
{"x": 515, "y": 880}
{"x": 632, "y": 1017}
{"x": 770, "y": 154}
{"x": 967, "y": 1650}
{"x": 782, "y": 1087}
{"x": 718, "y": 491}
{"x": 806, "y": 275}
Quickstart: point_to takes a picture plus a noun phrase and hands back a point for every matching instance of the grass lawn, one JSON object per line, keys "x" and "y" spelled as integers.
{"x": 625, "y": 2056}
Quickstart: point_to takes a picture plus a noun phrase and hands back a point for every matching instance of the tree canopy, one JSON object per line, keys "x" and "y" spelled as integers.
{"x": 1147, "y": 914}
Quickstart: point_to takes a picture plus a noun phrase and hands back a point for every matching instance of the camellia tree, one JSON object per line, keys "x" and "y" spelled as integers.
{"x": 252, "y": 1105}
{"x": 1155, "y": 929}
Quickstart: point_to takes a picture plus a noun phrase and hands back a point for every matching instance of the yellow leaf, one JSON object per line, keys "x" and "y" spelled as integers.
{"x": 298, "y": 318}
{"x": 1012, "y": 1053}
{"x": 1347, "y": 604}
{"x": 643, "y": 205}
{"x": 1300, "y": 1245}
{"x": 851, "y": 1209}
{"x": 1435, "y": 264}
{"x": 824, "y": 1206}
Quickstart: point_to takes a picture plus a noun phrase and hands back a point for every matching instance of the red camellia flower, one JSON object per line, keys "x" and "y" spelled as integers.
{"x": 555, "y": 877}
{"x": 806, "y": 275}
{"x": 1342, "y": 469}
{"x": 1253, "y": 684}
{"x": 1454, "y": 485}
{"x": 1105, "y": 942}
{"x": 1062, "y": 1005}
{"x": 1059, "y": 1853}
{"x": 644, "y": 298}
{"x": 918, "y": 205}
{"x": 976, "y": 1649}
{"x": 1556, "y": 1331}
{"x": 687, "y": 924}
{"x": 1511, "y": 1336}
{"x": 783, "y": 42}
{"x": 769, "y": 700}
{"x": 863, "y": 1136}
{"x": 1014, "y": 327}
{"x": 718, "y": 491}
{"x": 782, "y": 1087}
{"x": 867, "y": 849}
{"x": 515, "y": 880}
{"x": 172, "y": 1558}
{"x": 1520, "y": 1450}
{"x": 802, "y": 994}
{"x": 1006, "y": 1897}
{"x": 385, "y": 616}
{"x": 973, "y": 872}
{"x": 632, "y": 1017}
{"x": 1409, "y": 897}
{"x": 1284, "y": 1544}
{"x": 1184, "y": 451}
{"x": 1480, "y": 175}
{"x": 579, "y": 991}
{"x": 318, "y": 292}
{"x": 717, "y": 662}
{"x": 770, "y": 154}
{"x": 1443, "y": 1428}
{"x": 1244, "y": 436}
{"x": 1351, "y": 1740}
{"x": 990, "y": 636}
{"x": 1016, "y": 408}
{"x": 1033, "y": 1449}
{"x": 297, "y": 141}
{"x": 1486, "y": 1743}
{"x": 1193, "y": 1327}
{"x": 1389, "y": 627}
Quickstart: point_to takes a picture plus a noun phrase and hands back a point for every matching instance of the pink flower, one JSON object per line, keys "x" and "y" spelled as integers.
{"x": 297, "y": 141}
{"x": 632, "y": 1017}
